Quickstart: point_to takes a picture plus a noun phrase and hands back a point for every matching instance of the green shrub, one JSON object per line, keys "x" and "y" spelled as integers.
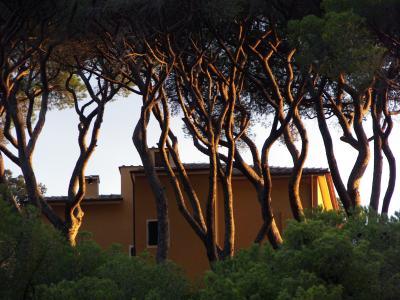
{"x": 31, "y": 253}
{"x": 86, "y": 288}
{"x": 326, "y": 257}
{"x": 36, "y": 262}
{"x": 140, "y": 278}
{"x": 329, "y": 256}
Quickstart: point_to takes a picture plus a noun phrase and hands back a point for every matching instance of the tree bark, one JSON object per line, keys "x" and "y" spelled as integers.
{"x": 353, "y": 183}
{"x": 330, "y": 155}
{"x": 392, "y": 176}
{"x": 77, "y": 185}
{"x": 194, "y": 219}
{"x": 140, "y": 141}
{"x": 298, "y": 163}
{"x": 211, "y": 238}
{"x": 264, "y": 191}
{"x": 378, "y": 158}
{"x": 25, "y": 151}
{"x": 389, "y": 155}
{"x": 2, "y": 170}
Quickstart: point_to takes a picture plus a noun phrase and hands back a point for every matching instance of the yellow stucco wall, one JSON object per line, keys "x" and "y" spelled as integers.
{"x": 113, "y": 222}
{"x": 247, "y": 210}
{"x": 185, "y": 247}
{"x": 109, "y": 222}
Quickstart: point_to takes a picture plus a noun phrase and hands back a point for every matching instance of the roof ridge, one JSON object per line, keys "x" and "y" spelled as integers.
{"x": 207, "y": 164}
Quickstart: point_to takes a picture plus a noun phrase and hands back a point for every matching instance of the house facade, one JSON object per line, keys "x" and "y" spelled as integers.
{"x": 130, "y": 218}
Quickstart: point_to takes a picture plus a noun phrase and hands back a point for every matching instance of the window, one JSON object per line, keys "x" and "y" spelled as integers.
{"x": 132, "y": 250}
{"x": 152, "y": 233}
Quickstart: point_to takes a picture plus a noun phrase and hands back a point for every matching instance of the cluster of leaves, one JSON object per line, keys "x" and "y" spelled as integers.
{"x": 327, "y": 257}
{"x": 37, "y": 263}
{"x": 13, "y": 190}
{"x": 338, "y": 42}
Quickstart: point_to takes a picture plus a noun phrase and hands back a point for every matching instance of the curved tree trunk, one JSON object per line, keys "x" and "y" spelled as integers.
{"x": 330, "y": 155}
{"x": 298, "y": 164}
{"x": 73, "y": 219}
{"x": 353, "y": 183}
{"x": 2, "y": 170}
{"x": 139, "y": 139}
{"x": 211, "y": 238}
{"x": 77, "y": 185}
{"x": 229, "y": 242}
{"x": 389, "y": 156}
{"x": 264, "y": 191}
{"x": 392, "y": 176}
{"x": 378, "y": 158}
{"x": 195, "y": 218}
{"x": 229, "y": 237}
{"x": 25, "y": 150}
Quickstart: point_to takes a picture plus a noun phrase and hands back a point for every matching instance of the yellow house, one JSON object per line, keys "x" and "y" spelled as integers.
{"x": 130, "y": 218}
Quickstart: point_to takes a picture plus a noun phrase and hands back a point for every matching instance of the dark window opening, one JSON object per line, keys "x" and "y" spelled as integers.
{"x": 132, "y": 250}
{"x": 152, "y": 233}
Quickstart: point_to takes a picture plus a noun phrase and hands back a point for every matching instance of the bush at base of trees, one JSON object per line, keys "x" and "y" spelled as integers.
{"x": 327, "y": 257}
{"x": 37, "y": 263}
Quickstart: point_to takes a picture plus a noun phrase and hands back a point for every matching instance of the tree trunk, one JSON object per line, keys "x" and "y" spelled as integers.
{"x": 269, "y": 226}
{"x": 25, "y": 159}
{"x": 140, "y": 141}
{"x": 76, "y": 193}
{"x": 389, "y": 155}
{"x": 330, "y": 155}
{"x": 392, "y": 176}
{"x": 378, "y": 158}
{"x": 353, "y": 183}
{"x": 194, "y": 218}
{"x": 264, "y": 190}
{"x": 377, "y": 174}
{"x": 298, "y": 163}
{"x": 229, "y": 241}
{"x": 2, "y": 170}
{"x": 211, "y": 238}
{"x": 73, "y": 219}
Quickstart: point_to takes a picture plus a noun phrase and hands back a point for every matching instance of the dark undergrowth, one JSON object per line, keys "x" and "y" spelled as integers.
{"x": 327, "y": 257}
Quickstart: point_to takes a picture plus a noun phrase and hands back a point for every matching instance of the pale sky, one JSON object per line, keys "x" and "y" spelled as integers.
{"x": 57, "y": 150}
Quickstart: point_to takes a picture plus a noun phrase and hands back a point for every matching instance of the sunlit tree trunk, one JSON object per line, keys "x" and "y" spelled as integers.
{"x": 88, "y": 117}
{"x": 140, "y": 141}
{"x": 385, "y": 134}
{"x": 376, "y": 113}
{"x": 353, "y": 184}
{"x": 27, "y": 135}
{"x": 330, "y": 155}
{"x": 2, "y": 170}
